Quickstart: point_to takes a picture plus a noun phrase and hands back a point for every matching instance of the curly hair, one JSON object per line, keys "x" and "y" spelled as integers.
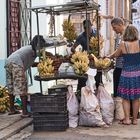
{"x": 38, "y": 42}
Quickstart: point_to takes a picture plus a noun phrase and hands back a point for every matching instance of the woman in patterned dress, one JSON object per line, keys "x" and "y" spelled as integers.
{"x": 129, "y": 84}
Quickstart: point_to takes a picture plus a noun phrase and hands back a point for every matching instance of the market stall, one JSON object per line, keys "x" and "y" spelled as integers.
{"x": 79, "y": 62}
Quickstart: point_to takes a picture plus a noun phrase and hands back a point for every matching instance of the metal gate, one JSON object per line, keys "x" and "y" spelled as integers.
{"x": 18, "y": 24}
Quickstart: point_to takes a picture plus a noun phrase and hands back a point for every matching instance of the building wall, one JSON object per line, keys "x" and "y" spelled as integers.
{"x": 3, "y": 41}
{"x": 136, "y": 16}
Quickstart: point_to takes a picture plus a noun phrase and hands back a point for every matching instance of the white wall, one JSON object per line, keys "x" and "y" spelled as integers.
{"x": 42, "y": 19}
{"x": 3, "y": 41}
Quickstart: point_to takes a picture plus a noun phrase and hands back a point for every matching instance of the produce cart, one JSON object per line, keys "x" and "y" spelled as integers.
{"x": 50, "y": 112}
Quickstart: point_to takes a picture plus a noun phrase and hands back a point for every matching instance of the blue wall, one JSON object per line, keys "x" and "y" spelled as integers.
{"x": 2, "y": 73}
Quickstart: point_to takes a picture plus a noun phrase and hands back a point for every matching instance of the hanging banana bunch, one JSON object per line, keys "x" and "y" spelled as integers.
{"x": 94, "y": 44}
{"x": 69, "y": 31}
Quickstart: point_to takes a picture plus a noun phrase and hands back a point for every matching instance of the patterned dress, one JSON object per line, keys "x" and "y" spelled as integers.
{"x": 129, "y": 84}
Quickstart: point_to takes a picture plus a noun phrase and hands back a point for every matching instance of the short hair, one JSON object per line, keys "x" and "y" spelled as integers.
{"x": 87, "y": 23}
{"x": 38, "y": 42}
{"x": 131, "y": 33}
{"x": 117, "y": 21}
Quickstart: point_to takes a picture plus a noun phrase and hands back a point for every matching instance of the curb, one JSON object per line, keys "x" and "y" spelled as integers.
{"x": 15, "y": 128}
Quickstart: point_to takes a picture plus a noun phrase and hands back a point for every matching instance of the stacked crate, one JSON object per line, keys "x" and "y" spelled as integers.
{"x": 50, "y": 111}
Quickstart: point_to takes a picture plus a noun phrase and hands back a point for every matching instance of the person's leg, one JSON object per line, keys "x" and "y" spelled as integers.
{"x": 135, "y": 106}
{"x": 98, "y": 78}
{"x": 11, "y": 100}
{"x": 116, "y": 78}
{"x": 126, "y": 107}
{"x": 24, "y": 99}
{"x": 81, "y": 83}
{"x": 20, "y": 87}
{"x": 9, "y": 83}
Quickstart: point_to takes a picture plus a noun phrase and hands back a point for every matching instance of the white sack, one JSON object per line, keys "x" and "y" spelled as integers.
{"x": 107, "y": 104}
{"x": 73, "y": 107}
{"x": 90, "y": 114}
{"x": 119, "y": 112}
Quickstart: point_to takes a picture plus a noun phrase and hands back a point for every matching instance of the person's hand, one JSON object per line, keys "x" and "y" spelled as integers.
{"x": 72, "y": 49}
{"x": 90, "y": 57}
{"x": 35, "y": 64}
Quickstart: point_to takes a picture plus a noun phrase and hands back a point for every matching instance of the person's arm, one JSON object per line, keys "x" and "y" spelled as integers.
{"x": 118, "y": 52}
{"x": 74, "y": 47}
{"x": 76, "y": 43}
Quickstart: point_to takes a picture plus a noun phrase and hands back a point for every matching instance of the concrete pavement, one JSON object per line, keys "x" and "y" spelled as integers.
{"x": 114, "y": 132}
{"x": 12, "y": 124}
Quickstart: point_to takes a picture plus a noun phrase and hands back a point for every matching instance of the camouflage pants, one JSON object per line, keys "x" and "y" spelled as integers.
{"x": 16, "y": 79}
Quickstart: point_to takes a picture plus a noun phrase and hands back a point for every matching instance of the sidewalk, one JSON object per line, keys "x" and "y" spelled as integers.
{"x": 114, "y": 132}
{"x": 10, "y": 125}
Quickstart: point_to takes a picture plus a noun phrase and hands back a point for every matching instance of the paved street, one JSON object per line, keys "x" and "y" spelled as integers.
{"x": 115, "y": 132}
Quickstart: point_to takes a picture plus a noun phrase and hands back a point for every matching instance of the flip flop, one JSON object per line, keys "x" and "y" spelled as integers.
{"x": 13, "y": 113}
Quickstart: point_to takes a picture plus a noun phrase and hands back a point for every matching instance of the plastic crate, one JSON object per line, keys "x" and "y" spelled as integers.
{"x": 48, "y": 103}
{"x": 58, "y": 89}
{"x": 50, "y": 128}
{"x": 50, "y": 116}
{"x": 50, "y": 121}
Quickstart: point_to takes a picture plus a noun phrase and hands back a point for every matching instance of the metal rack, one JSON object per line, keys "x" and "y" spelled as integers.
{"x": 85, "y": 7}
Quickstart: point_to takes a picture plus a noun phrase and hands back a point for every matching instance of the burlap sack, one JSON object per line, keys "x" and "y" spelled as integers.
{"x": 119, "y": 112}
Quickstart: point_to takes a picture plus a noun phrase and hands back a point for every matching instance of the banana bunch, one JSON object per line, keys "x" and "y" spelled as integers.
{"x": 69, "y": 31}
{"x": 101, "y": 63}
{"x": 94, "y": 43}
{"x": 4, "y": 99}
{"x": 80, "y": 62}
{"x": 45, "y": 67}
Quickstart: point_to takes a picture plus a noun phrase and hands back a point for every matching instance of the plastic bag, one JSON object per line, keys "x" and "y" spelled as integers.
{"x": 90, "y": 114}
{"x": 107, "y": 104}
{"x": 73, "y": 107}
{"x": 91, "y": 80}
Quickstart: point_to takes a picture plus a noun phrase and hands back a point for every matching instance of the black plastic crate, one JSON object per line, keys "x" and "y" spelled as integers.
{"x": 50, "y": 121}
{"x": 48, "y": 103}
{"x": 50, "y": 128}
{"x": 46, "y": 122}
{"x": 58, "y": 89}
{"x": 50, "y": 116}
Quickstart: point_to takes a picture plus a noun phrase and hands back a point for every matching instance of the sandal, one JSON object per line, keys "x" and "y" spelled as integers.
{"x": 124, "y": 122}
{"x": 135, "y": 122}
{"x": 14, "y": 112}
{"x": 26, "y": 115}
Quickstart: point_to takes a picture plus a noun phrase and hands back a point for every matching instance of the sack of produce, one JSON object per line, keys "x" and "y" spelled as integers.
{"x": 106, "y": 103}
{"x": 119, "y": 112}
{"x": 90, "y": 114}
{"x": 73, "y": 107}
